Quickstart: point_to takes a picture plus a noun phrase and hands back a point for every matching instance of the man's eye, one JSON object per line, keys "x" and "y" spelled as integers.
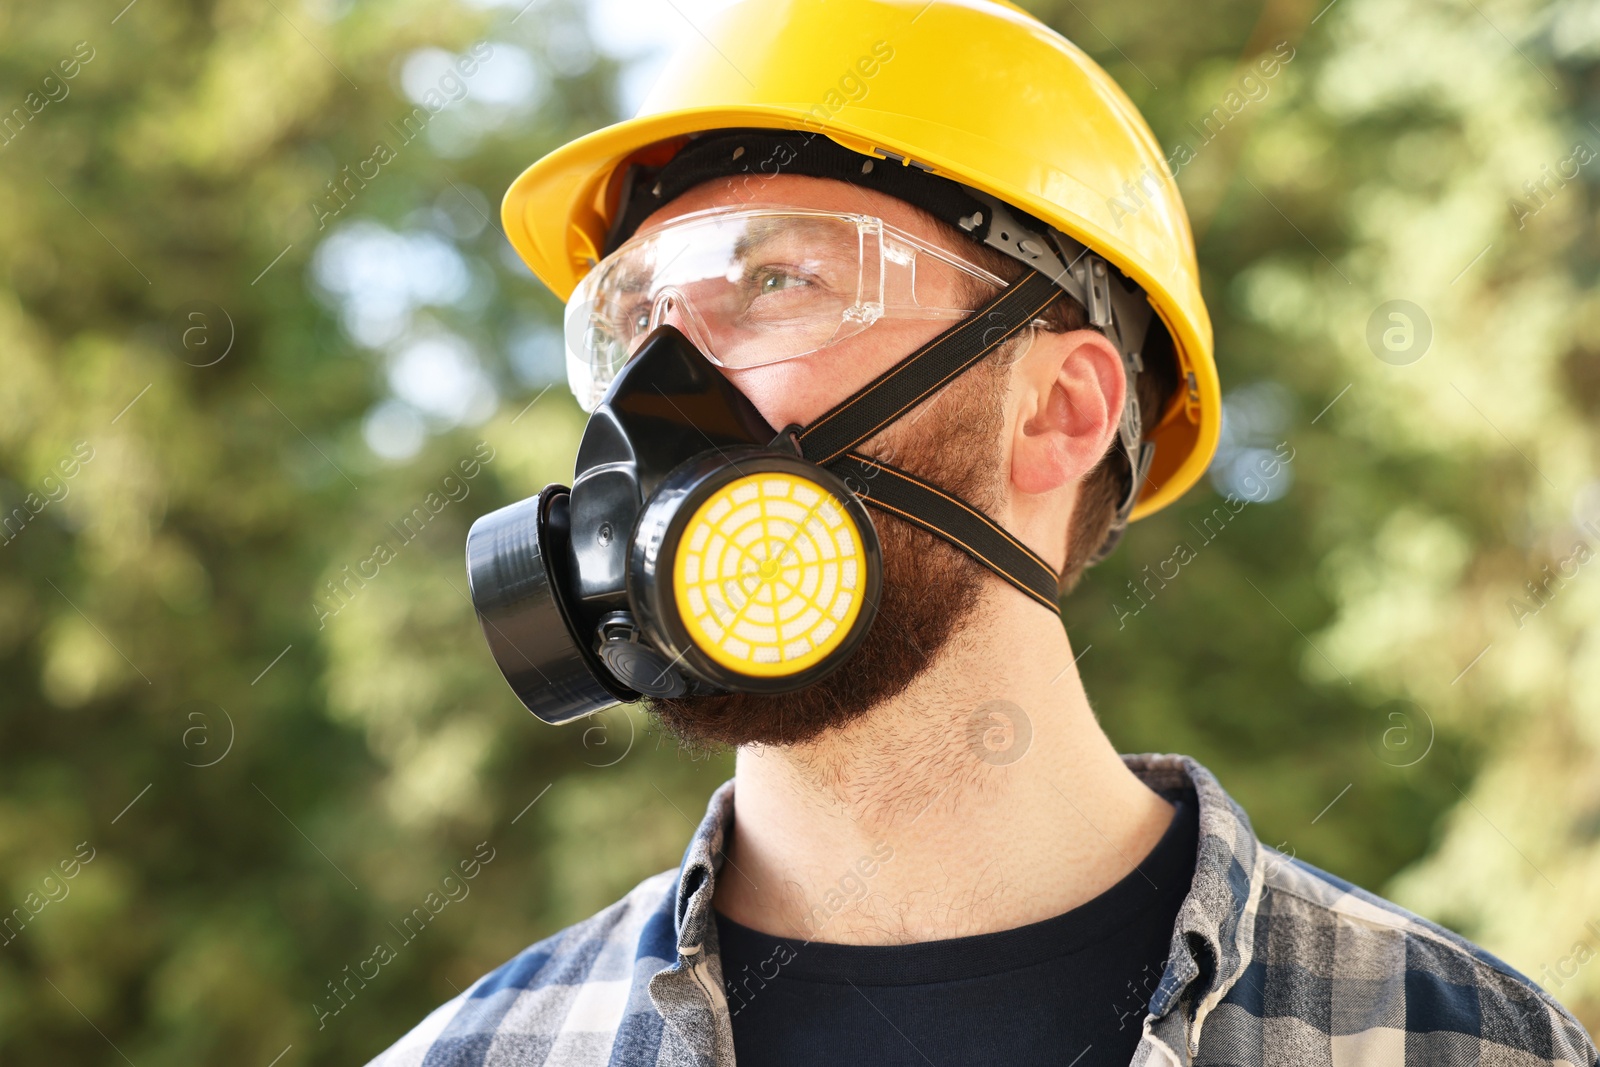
{"x": 776, "y": 281}
{"x": 636, "y": 320}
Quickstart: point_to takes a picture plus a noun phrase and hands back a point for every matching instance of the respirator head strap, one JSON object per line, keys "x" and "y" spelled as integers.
{"x": 888, "y": 488}
{"x": 829, "y": 440}
{"x": 927, "y": 370}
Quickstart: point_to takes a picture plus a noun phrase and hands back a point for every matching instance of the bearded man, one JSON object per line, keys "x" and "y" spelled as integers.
{"x": 879, "y": 361}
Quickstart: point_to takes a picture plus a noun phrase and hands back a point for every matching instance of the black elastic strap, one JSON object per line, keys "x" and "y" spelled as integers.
{"x": 901, "y": 493}
{"x": 927, "y": 370}
{"x": 828, "y": 441}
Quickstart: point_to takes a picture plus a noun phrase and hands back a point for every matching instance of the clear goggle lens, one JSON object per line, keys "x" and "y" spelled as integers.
{"x": 751, "y": 287}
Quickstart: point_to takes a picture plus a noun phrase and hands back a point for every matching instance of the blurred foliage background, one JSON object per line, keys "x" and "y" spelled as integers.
{"x": 229, "y": 373}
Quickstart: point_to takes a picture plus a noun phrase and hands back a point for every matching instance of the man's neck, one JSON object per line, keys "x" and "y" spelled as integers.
{"x": 983, "y": 798}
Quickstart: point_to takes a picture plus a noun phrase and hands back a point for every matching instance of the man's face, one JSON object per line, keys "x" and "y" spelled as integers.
{"x": 954, "y": 440}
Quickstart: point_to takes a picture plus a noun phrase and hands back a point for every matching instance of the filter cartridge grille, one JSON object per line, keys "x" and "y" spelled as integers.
{"x": 769, "y": 574}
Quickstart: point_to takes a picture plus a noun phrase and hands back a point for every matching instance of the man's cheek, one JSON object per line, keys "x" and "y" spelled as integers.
{"x": 786, "y": 393}
{"x": 802, "y": 389}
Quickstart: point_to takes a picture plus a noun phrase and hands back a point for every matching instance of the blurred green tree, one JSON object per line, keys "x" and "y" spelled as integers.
{"x": 256, "y": 300}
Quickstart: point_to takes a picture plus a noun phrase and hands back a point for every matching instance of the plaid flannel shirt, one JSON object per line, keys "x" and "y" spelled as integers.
{"x": 1272, "y": 961}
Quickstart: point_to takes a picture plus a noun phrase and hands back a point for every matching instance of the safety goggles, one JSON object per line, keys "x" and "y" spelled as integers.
{"x": 754, "y": 286}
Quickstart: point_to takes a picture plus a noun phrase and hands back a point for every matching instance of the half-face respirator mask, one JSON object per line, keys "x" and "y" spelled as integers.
{"x": 700, "y": 550}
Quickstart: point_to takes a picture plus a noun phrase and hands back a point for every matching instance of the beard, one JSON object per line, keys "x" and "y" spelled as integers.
{"x": 930, "y": 589}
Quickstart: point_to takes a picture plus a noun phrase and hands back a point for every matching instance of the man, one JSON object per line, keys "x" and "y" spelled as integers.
{"x": 930, "y": 852}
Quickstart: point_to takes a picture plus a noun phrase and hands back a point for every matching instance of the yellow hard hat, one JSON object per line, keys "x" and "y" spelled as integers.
{"x": 977, "y": 91}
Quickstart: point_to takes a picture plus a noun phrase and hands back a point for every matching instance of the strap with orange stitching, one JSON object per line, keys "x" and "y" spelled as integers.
{"x": 829, "y": 439}
{"x": 945, "y": 515}
{"x": 927, "y": 370}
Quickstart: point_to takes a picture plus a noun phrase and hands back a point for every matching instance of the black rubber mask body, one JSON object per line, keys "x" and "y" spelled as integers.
{"x": 668, "y": 404}
{"x": 571, "y": 586}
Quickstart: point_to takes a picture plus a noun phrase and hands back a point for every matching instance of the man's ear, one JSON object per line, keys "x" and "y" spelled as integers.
{"x": 1069, "y": 390}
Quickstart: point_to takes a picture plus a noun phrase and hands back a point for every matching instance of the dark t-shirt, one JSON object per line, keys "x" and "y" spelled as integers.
{"x": 1071, "y": 990}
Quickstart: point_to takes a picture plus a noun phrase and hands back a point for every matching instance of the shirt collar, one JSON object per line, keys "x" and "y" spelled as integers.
{"x": 689, "y": 992}
{"x": 1210, "y": 947}
{"x": 1213, "y": 935}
